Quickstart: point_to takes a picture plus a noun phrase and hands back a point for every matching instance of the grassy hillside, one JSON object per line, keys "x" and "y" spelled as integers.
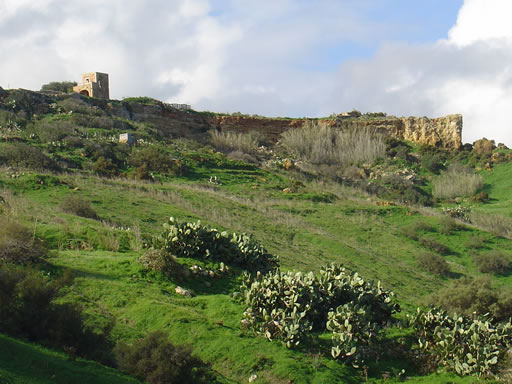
{"x": 308, "y": 219}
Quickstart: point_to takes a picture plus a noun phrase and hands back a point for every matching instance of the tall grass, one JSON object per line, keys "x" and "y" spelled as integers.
{"x": 319, "y": 143}
{"x": 236, "y": 141}
{"x": 457, "y": 181}
{"x": 498, "y": 225}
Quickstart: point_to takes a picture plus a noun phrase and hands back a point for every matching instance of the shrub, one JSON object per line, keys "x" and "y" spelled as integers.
{"x": 434, "y": 245}
{"x": 432, "y": 162}
{"x": 75, "y": 205}
{"x": 29, "y": 310}
{"x": 54, "y": 131}
{"x": 413, "y": 231}
{"x": 23, "y": 155}
{"x": 235, "y": 141}
{"x": 478, "y": 295}
{"x": 104, "y": 167}
{"x": 468, "y": 346}
{"x": 447, "y": 226}
{"x": 320, "y": 143}
{"x": 433, "y": 263}
{"x": 493, "y": 262}
{"x": 155, "y": 360}
{"x": 18, "y": 244}
{"x": 59, "y": 86}
{"x": 163, "y": 262}
{"x": 199, "y": 241}
{"x": 475, "y": 241}
{"x": 457, "y": 181}
{"x": 154, "y": 160}
{"x": 459, "y": 212}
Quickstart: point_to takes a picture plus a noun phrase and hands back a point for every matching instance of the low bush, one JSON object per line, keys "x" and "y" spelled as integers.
{"x": 478, "y": 295}
{"x": 468, "y": 346}
{"x": 160, "y": 261}
{"x": 475, "y": 242}
{"x": 18, "y": 244}
{"x": 154, "y": 159}
{"x": 433, "y": 263}
{"x": 432, "y": 162}
{"x": 199, "y": 241}
{"x": 59, "y": 86}
{"x": 235, "y": 141}
{"x": 29, "y": 310}
{"x": 493, "y": 262}
{"x": 54, "y": 131}
{"x": 448, "y": 225}
{"x": 26, "y": 156}
{"x": 104, "y": 167}
{"x": 434, "y": 245}
{"x": 75, "y": 205}
{"x": 456, "y": 181}
{"x": 156, "y": 361}
{"x": 416, "y": 229}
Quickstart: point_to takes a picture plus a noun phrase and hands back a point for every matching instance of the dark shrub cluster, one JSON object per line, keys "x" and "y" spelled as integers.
{"x": 433, "y": 263}
{"x": 493, "y": 262}
{"x": 448, "y": 225}
{"x": 153, "y": 159}
{"x": 75, "y": 205}
{"x": 18, "y": 245}
{"x": 29, "y": 310}
{"x": 155, "y": 360}
{"x": 26, "y": 156}
{"x": 54, "y": 131}
{"x": 478, "y": 295}
{"x": 434, "y": 245}
{"x": 59, "y": 86}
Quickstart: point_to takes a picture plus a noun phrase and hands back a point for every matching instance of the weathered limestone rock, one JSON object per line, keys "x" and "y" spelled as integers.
{"x": 183, "y": 292}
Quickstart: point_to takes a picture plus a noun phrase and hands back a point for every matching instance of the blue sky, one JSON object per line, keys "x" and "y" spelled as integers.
{"x": 276, "y": 57}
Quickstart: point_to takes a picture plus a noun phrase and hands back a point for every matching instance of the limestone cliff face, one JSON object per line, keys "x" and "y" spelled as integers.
{"x": 443, "y": 132}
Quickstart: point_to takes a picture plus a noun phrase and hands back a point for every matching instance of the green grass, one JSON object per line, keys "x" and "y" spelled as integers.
{"x": 24, "y": 363}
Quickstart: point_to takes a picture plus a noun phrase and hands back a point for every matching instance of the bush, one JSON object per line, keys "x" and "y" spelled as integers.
{"x": 23, "y": 155}
{"x": 75, "y": 205}
{"x": 432, "y": 162}
{"x": 433, "y": 263}
{"x": 18, "y": 244}
{"x": 457, "y": 181}
{"x": 235, "y": 141}
{"x": 199, "y": 241}
{"x": 475, "y": 242}
{"x": 155, "y": 360}
{"x": 154, "y": 160}
{"x": 54, "y": 131}
{"x": 434, "y": 245}
{"x": 447, "y": 226}
{"x": 493, "y": 262}
{"x": 413, "y": 231}
{"x": 104, "y": 167}
{"x": 319, "y": 143}
{"x": 163, "y": 262}
{"x": 29, "y": 310}
{"x": 478, "y": 295}
{"x": 59, "y": 86}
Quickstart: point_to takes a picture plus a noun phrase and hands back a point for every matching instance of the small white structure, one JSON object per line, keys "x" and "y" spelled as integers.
{"x": 128, "y": 138}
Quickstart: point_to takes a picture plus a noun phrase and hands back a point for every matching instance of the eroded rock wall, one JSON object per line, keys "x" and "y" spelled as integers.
{"x": 443, "y": 132}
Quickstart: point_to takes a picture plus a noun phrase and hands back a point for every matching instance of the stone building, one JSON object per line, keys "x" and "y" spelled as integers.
{"x": 94, "y": 84}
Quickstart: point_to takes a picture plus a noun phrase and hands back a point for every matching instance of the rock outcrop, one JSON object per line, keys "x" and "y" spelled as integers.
{"x": 443, "y": 132}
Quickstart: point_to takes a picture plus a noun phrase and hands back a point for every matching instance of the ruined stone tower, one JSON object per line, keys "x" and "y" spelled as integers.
{"x": 94, "y": 84}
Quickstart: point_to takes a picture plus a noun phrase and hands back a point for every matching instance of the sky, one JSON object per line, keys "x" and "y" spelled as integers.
{"x": 276, "y": 57}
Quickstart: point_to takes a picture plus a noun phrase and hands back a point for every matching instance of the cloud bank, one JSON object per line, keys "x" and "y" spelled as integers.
{"x": 287, "y": 58}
